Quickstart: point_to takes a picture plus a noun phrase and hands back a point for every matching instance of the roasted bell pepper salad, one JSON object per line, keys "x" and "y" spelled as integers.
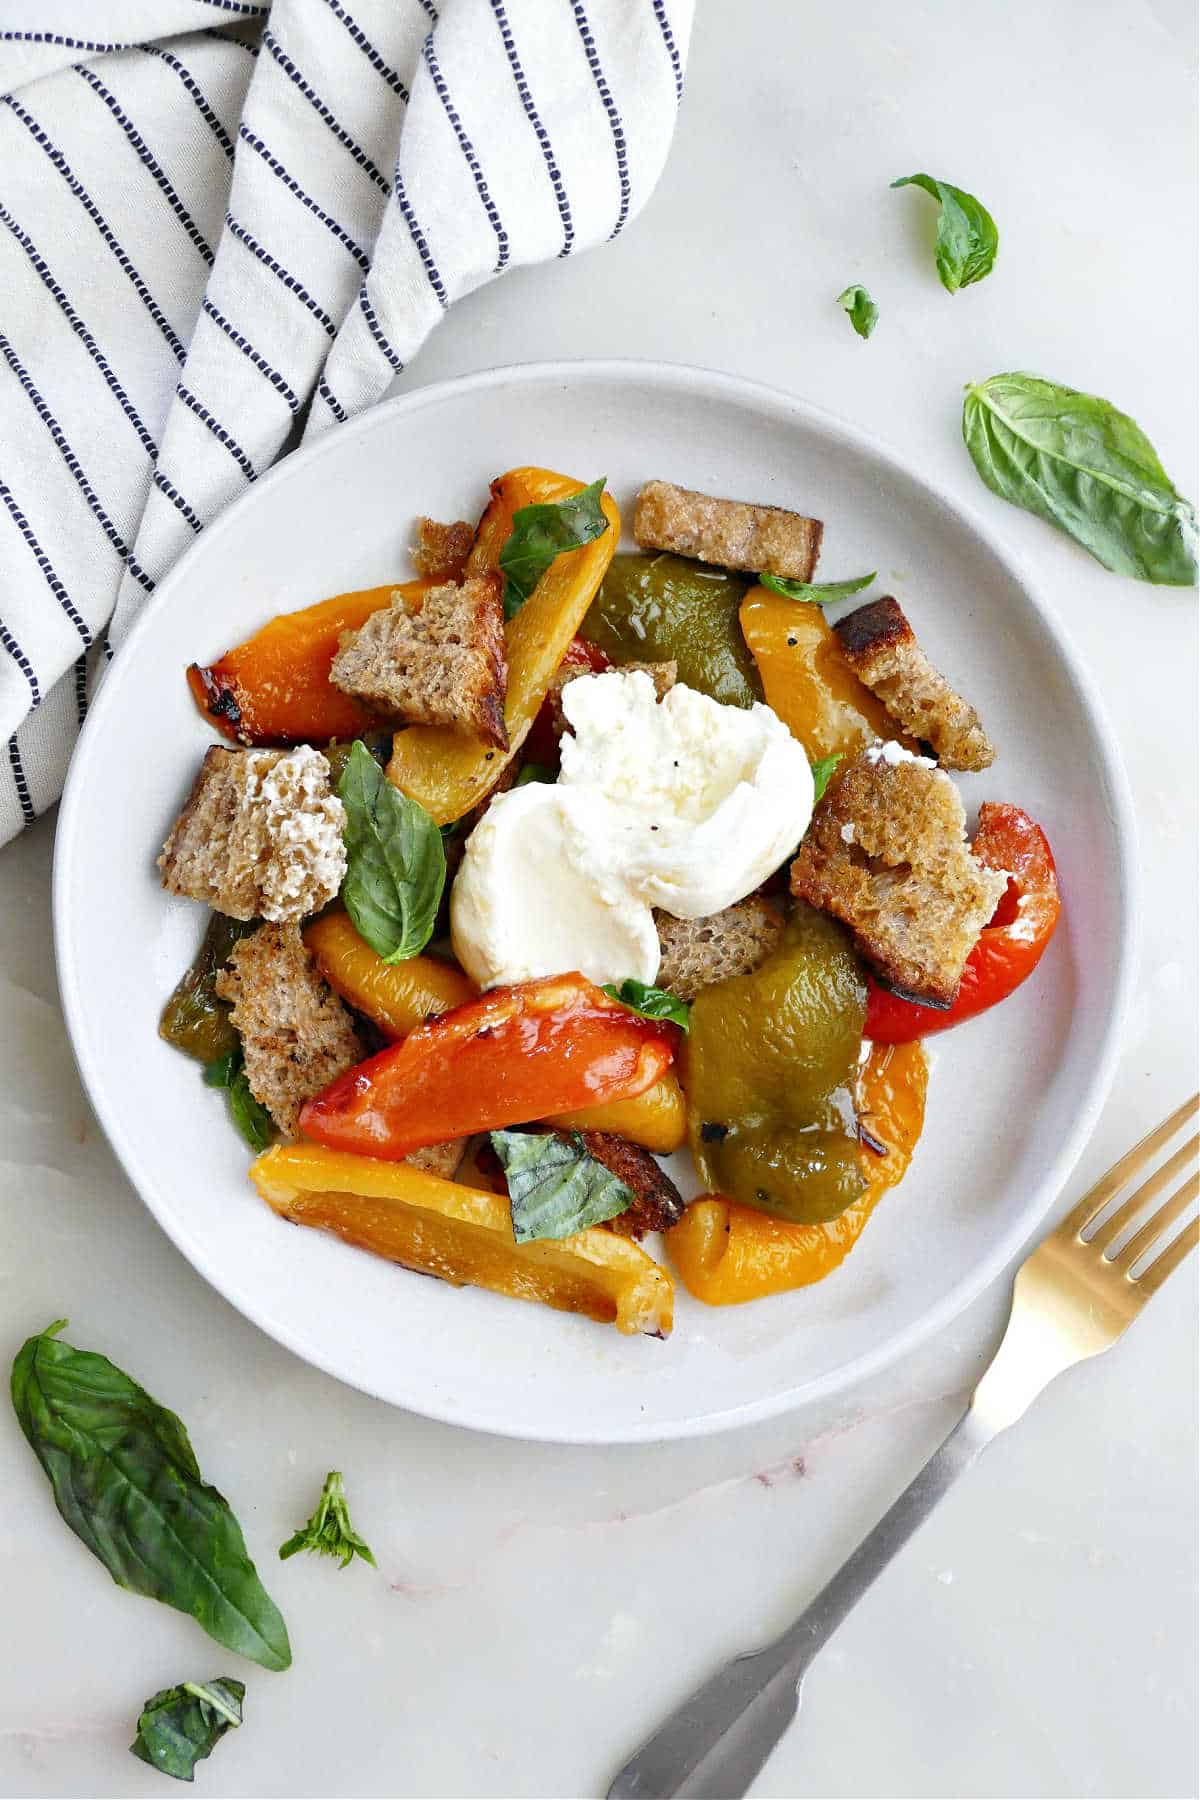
{"x": 540, "y": 865}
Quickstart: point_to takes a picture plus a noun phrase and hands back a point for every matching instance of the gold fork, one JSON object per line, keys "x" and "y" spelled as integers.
{"x": 1073, "y": 1297}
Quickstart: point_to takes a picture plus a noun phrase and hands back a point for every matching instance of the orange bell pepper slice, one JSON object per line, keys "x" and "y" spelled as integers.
{"x": 275, "y": 688}
{"x": 726, "y": 1253}
{"x": 451, "y": 771}
{"x": 1008, "y": 950}
{"x": 395, "y": 996}
{"x": 516, "y": 1053}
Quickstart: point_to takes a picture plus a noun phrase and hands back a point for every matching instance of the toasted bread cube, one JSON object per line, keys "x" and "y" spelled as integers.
{"x": 734, "y": 534}
{"x": 260, "y": 835}
{"x": 296, "y": 1034}
{"x": 438, "y": 660}
{"x": 441, "y": 551}
{"x": 439, "y": 1159}
{"x": 663, "y": 674}
{"x": 881, "y": 647}
{"x": 887, "y": 854}
{"x": 657, "y": 1203}
{"x": 696, "y": 953}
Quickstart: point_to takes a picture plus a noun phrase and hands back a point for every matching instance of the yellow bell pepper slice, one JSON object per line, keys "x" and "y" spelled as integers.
{"x": 807, "y": 680}
{"x": 655, "y": 1119}
{"x": 726, "y": 1253}
{"x": 450, "y": 771}
{"x": 464, "y": 1236}
{"x": 395, "y": 996}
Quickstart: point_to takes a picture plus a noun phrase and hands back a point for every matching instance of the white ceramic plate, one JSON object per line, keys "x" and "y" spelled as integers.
{"x": 1013, "y": 1095}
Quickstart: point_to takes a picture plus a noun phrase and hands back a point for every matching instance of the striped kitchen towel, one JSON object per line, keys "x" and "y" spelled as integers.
{"x": 226, "y": 226}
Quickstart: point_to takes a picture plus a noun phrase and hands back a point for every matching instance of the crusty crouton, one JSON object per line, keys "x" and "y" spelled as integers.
{"x": 664, "y": 675}
{"x": 658, "y": 1203}
{"x": 439, "y": 1159}
{"x": 698, "y": 952}
{"x": 441, "y": 551}
{"x": 734, "y": 534}
{"x": 887, "y": 854}
{"x": 439, "y": 660}
{"x": 881, "y": 647}
{"x": 296, "y": 1034}
{"x": 260, "y": 835}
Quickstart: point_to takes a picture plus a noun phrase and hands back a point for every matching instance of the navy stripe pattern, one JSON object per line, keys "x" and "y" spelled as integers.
{"x": 332, "y": 402}
{"x": 356, "y": 152}
{"x": 44, "y": 564}
{"x": 22, "y": 661}
{"x": 418, "y": 238}
{"x": 376, "y": 329}
{"x": 100, "y": 222}
{"x": 238, "y": 230}
{"x": 293, "y": 186}
{"x": 199, "y": 102}
{"x": 247, "y": 349}
{"x": 218, "y": 430}
{"x": 377, "y": 62}
{"x": 62, "y": 43}
{"x": 19, "y": 781}
{"x": 539, "y": 130}
{"x": 177, "y": 500}
{"x": 81, "y": 331}
{"x": 614, "y": 117}
{"x": 468, "y": 150}
{"x": 664, "y": 25}
{"x": 73, "y": 464}
{"x": 162, "y": 180}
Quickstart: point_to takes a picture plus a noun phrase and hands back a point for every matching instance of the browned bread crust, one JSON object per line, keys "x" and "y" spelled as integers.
{"x": 439, "y": 1159}
{"x": 440, "y": 660}
{"x": 887, "y": 854}
{"x": 658, "y": 1203}
{"x": 296, "y": 1034}
{"x": 698, "y": 952}
{"x": 881, "y": 647}
{"x": 734, "y": 534}
{"x": 441, "y": 551}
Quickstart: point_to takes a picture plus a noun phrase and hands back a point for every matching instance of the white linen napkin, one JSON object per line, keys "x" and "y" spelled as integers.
{"x": 225, "y": 226}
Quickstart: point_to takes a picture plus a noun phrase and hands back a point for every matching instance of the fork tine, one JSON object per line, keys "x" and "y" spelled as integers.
{"x": 1164, "y": 1265}
{"x": 1158, "y": 1224}
{"x": 1150, "y": 1189}
{"x": 1098, "y": 1198}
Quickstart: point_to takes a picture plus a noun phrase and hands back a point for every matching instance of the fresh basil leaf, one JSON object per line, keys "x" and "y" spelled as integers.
{"x": 223, "y": 1072}
{"x": 1078, "y": 463}
{"x": 250, "y": 1115}
{"x": 651, "y": 1002}
{"x": 126, "y": 1480}
{"x": 395, "y": 861}
{"x": 329, "y": 1531}
{"x": 820, "y": 593}
{"x": 535, "y": 772}
{"x": 822, "y": 774}
{"x": 862, "y": 310}
{"x": 540, "y": 533}
{"x": 182, "y": 1725}
{"x": 554, "y": 1187}
{"x": 967, "y": 239}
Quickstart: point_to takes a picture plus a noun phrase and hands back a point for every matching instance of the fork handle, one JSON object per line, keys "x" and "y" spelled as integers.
{"x": 717, "y": 1741}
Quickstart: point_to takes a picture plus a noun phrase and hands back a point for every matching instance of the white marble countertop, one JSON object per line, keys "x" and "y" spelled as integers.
{"x": 536, "y": 1609}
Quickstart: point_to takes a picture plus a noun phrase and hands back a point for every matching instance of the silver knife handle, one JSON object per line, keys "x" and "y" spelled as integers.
{"x": 713, "y": 1746}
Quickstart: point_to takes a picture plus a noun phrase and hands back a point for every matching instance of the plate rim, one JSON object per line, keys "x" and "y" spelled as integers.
{"x": 1114, "y": 785}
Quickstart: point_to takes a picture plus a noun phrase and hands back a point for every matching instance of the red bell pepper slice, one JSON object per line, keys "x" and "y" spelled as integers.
{"x": 541, "y": 746}
{"x": 516, "y": 1053}
{"x": 1009, "y": 949}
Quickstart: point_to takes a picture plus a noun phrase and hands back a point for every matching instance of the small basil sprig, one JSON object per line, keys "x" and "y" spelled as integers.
{"x": 819, "y": 593}
{"x": 540, "y": 533}
{"x": 555, "y": 1187}
{"x": 651, "y": 1002}
{"x": 126, "y": 1480}
{"x": 822, "y": 774}
{"x": 860, "y": 308}
{"x": 182, "y": 1725}
{"x": 329, "y": 1531}
{"x": 1080, "y": 464}
{"x": 249, "y": 1115}
{"x": 967, "y": 239}
{"x": 395, "y": 861}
